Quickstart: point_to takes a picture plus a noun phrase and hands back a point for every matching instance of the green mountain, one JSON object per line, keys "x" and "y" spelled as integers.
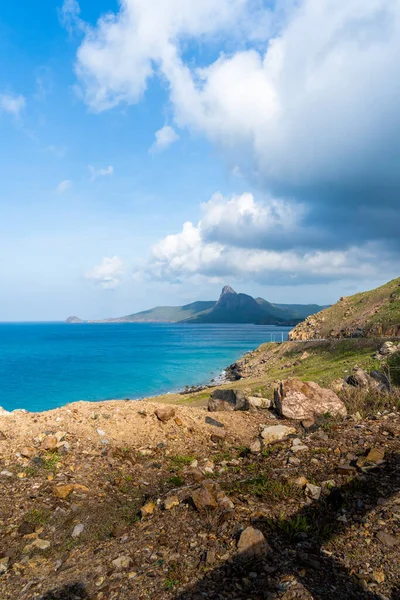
{"x": 369, "y": 314}
{"x": 166, "y": 314}
{"x": 230, "y": 308}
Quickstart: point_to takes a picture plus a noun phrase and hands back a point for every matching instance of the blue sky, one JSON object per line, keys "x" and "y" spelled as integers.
{"x": 275, "y": 169}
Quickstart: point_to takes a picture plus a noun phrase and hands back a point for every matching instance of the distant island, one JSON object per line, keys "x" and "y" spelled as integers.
{"x": 74, "y": 320}
{"x": 230, "y": 308}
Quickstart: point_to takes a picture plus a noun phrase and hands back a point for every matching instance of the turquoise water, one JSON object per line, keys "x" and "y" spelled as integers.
{"x": 46, "y": 365}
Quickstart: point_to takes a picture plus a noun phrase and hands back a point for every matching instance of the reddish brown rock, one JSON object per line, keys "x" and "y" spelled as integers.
{"x": 165, "y": 413}
{"x": 299, "y": 400}
{"x": 252, "y": 543}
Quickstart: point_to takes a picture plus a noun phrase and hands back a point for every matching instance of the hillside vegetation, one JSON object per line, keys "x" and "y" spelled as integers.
{"x": 368, "y": 314}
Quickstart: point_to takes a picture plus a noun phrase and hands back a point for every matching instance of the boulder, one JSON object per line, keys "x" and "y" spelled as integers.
{"x": 388, "y": 348}
{"x": 165, "y": 413}
{"x": 276, "y": 433}
{"x": 253, "y": 544}
{"x": 299, "y": 400}
{"x": 384, "y": 384}
{"x": 258, "y": 403}
{"x": 359, "y": 378}
{"x": 227, "y": 400}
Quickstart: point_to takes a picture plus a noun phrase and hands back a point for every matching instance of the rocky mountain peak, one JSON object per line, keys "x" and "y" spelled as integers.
{"x": 227, "y": 290}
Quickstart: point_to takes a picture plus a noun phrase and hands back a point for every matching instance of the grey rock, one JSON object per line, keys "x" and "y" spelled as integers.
{"x": 227, "y": 400}
{"x": 214, "y": 422}
{"x": 78, "y": 530}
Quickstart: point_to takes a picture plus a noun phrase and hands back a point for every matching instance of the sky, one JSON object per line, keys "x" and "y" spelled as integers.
{"x": 152, "y": 151}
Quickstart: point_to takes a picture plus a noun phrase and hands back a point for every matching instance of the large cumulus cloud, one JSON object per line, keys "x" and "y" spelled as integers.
{"x": 303, "y": 97}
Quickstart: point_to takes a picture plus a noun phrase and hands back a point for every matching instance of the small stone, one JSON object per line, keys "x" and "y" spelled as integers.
{"x": 203, "y": 499}
{"x": 195, "y": 474}
{"x": 122, "y": 562}
{"x": 218, "y": 436}
{"x": 49, "y": 443}
{"x": 148, "y": 509}
{"x": 2, "y": 436}
{"x": 4, "y": 564}
{"x": 78, "y": 530}
{"x": 170, "y": 502}
{"x": 39, "y": 544}
{"x": 346, "y": 469}
{"x": 214, "y": 422}
{"x": 301, "y": 448}
{"x": 387, "y": 539}
{"x": 376, "y": 455}
{"x": 26, "y": 528}
{"x": 276, "y": 433}
{"x": 308, "y": 423}
{"x": 98, "y": 582}
{"x": 378, "y": 576}
{"x": 256, "y": 447}
{"x": 210, "y": 557}
{"x": 28, "y": 452}
{"x": 6, "y": 474}
{"x": 226, "y": 503}
{"x": 300, "y": 482}
{"x": 313, "y": 491}
{"x": 63, "y": 491}
{"x": 259, "y": 403}
{"x": 100, "y": 432}
{"x": 252, "y": 543}
{"x": 293, "y": 460}
{"x": 164, "y": 413}
{"x": 178, "y": 422}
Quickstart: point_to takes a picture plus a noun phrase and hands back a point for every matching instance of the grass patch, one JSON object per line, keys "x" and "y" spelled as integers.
{"x": 180, "y": 461}
{"x": 368, "y": 403}
{"x": 264, "y": 487}
{"x": 175, "y": 481}
{"x": 51, "y": 461}
{"x": 37, "y": 516}
{"x": 292, "y": 526}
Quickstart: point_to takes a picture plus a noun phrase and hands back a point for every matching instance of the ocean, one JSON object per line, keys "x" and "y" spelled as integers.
{"x": 47, "y": 365}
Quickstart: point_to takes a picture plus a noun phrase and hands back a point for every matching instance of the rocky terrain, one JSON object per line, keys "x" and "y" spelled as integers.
{"x": 369, "y": 314}
{"x": 248, "y": 491}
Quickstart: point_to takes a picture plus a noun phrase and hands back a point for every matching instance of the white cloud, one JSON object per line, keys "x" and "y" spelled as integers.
{"x": 12, "y": 104}
{"x": 314, "y": 98}
{"x": 64, "y": 186}
{"x": 69, "y": 15}
{"x": 303, "y": 101}
{"x": 165, "y": 137}
{"x": 206, "y": 249}
{"x": 108, "y": 273}
{"x": 95, "y": 173}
